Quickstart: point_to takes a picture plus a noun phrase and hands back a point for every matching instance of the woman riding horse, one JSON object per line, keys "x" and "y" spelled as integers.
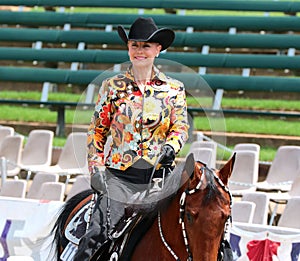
{"x": 191, "y": 224}
{"x": 145, "y": 113}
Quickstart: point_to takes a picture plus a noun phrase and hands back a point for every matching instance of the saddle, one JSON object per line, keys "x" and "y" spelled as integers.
{"x": 132, "y": 226}
{"x": 124, "y": 237}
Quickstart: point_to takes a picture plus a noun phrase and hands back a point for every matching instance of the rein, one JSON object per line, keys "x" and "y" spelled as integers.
{"x": 182, "y": 213}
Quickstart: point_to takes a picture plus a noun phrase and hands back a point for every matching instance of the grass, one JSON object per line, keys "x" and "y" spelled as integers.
{"x": 33, "y": 95}
{"x": 247, "y": 103}
{"x": 235, "y": 103}
{"x": 229, "y": 124}
{"x": 248, "y": 125}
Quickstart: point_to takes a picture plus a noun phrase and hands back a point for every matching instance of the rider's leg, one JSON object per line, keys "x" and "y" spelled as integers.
{"x": 98, "y": 229}
{"x": 93, "y": 236}
{"x": 121, "y": 187}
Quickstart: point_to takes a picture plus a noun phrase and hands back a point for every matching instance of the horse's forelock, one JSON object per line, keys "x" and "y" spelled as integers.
{"x": 211, "y": 187}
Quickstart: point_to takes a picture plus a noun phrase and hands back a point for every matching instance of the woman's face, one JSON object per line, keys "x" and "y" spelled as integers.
{"x": 143, "y": 53}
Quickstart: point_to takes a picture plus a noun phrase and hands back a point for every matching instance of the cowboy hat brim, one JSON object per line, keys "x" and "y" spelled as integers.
{"x": 164, "y": 37}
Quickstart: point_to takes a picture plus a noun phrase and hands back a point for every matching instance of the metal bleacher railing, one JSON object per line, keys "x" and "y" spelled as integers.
{"x": 243, "y": 5}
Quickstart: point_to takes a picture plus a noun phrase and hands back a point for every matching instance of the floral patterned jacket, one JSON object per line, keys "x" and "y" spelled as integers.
{"x": 140, "y": 124}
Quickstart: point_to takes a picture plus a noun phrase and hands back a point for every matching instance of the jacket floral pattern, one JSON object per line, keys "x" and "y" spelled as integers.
{"x": 140, "y": 124}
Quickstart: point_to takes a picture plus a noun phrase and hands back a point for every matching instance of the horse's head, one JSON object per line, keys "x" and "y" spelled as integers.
{"x": 205, "y": 207}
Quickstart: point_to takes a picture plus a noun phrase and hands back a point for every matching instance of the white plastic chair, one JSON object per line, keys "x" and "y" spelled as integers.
{"x": 14, "y": 188}
{"x": 51, "y": 191}
{"x": 73, "y": 157}
{"x": 261, "y": 200}
{"x": 284, "y": 169}
{"x": 6, "y": 131}
{"x": 37, "y": 152}
{"x": 243, "y": 211}
{"x": 204, "y": 155}
{"x": 244, "y": 175}
{"x": 279, "y": 199}
{"x": 11, "y": 149}
{"x": 291, "y": 214}
{"x": 283, "y": 197}
{"x": 37, "y": 182}
{"x": 81, "y": 183}
{"x": 206, "y": 144}
{"x": 247, "y": 146}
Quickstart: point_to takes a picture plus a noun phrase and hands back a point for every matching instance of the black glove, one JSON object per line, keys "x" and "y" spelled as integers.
{"x": 167, "y": 156}
{"x": 98, "y": 181}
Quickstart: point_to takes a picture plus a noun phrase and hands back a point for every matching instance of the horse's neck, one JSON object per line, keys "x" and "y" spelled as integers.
{"x": 171, "y": 228}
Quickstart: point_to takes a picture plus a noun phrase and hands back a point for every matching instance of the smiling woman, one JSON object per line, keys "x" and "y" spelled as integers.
{"x": 145, "y": 113}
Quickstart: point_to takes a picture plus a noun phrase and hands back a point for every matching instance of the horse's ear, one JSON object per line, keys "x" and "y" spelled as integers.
{"x": 189, "y": 165}
{"x": 226, "y": 170}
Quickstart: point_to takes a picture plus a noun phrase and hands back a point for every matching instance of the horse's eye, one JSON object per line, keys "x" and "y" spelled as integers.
{"x": 189, "y": 217}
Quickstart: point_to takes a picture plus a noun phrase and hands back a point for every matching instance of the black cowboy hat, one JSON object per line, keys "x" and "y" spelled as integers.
{"x": 145, "y": 30}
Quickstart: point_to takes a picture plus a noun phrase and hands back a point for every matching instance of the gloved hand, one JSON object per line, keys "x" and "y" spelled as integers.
{"x": 98, "y": 180}
{"x": 167, "y": 155}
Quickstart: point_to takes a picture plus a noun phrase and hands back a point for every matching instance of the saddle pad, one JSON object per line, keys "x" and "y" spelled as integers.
{"x": 76, "y": 228}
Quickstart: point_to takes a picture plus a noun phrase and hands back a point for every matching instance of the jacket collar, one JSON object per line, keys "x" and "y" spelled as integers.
{"x": 157, "y": 76}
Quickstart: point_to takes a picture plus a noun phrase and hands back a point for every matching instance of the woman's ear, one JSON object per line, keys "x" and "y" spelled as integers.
{"x": 158, "y": 49}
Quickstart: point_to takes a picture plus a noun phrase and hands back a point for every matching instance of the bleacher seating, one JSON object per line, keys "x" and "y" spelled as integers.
{"x": 242, "y": 5}
{"x": 247, "y": 53}
{"x": 191, "y": 36}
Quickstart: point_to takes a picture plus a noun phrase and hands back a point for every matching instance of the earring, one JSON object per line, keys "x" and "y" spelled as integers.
{"x": 157, "y": 55}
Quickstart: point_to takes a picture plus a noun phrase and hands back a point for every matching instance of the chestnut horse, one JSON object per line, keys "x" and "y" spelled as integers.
{"x": 191, "y": 226}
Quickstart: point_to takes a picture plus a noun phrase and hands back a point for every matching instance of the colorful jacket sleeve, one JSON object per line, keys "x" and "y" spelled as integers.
{"x": 178, "y": 133}
{"x": 99, "y": 128}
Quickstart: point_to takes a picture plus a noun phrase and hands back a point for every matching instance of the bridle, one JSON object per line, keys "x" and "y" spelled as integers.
{"x": 182, "y": 201}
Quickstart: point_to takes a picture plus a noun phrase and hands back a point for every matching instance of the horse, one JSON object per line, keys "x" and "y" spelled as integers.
{"x": 191, "y": 226}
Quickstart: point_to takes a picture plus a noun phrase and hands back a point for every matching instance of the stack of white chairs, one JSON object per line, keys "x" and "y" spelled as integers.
{"x": 290, "y": 216}
{"x": 46, "y": 186}
{"x": 244, "y": 175}
{"x": 245, "y": 169}
{"x": 285, "y": 168}
{"x": 253, "y": 207}
{"x": 37, "y": 152}
{"x": 261, "y": 201}
{"x": 72, "y": 159}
